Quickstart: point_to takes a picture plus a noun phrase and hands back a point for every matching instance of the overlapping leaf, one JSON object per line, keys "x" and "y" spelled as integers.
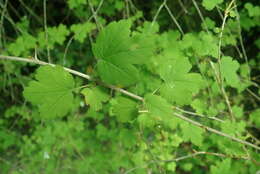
{"x": 117, "y": 53}
{"x": 228, "y": 68}
{"x": 124, "y": 109}
{"x": 210, "y": 4}
{"x": 94, "y": 97}
{"x": 192, "y": 133}
{"x": 51, "y": 91}
{"x": 179, "y": 85}
{"x": 158, "y": 106}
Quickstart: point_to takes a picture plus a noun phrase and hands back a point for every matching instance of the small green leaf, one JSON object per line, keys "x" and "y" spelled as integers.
{"x": 192, "y": 133}
{"x": 94, "y": 97}
{"x": 124, "y": 109}
{"x": 210, "y": 4}
{"x": 51, "y": 91}
{"x": 228, "y": 68}
{"x": 208, "y": 23}
{"x": 252, "y": 10}
{"x": 221, "y": 167}
{"x": 238, "y": 111}
{"x": 81, "y": 30}
{"x": 199, "y": 105}
{"x": 255, "y": 117}
{"x": 56, "y": 35}
{"x": 22, "y": 45}
{"x": 76, "y": 3}
{"x": 171, "y": 166}
{"x": 158, "y": 106}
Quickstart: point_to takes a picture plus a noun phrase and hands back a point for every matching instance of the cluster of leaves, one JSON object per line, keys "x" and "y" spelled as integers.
{"x": 56, "y": 122}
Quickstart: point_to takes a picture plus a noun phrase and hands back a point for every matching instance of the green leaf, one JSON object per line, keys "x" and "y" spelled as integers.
{"x": 179, "y": 85}
{"x": 221, "y": 167}
{"x": 255, "y": 117}
{"x": 192, "y": 133}
{"x": 124, "y": 109}
{"x": 56, "y": 35}
{"x": 199, "y": 105}
{"x": 117, "y": 53}
{"x": 51, "y": 91}
{"x": 208, "y": 23}
{"x": 252, "y": 10}
{"x": 113, "y": 73}
{"x": 81, "y": 30}
{"x": 94, "y": 97}
{"x": 146, "y": 121}
{"x": 22, "y": 45}
{"x": 76, "y": 3}
{"x": 233, "y": 128}
{"x": 171, "y": 166}
{"x": 158, "y": 106}
{"x": 210, "y": 4}
{"x": 228, "y": 68}
{"x": 238, "y": 111}
{"x": 127, "y": 137}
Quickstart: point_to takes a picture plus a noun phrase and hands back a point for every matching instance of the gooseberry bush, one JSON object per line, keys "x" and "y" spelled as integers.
{"x": 119, "y": 87}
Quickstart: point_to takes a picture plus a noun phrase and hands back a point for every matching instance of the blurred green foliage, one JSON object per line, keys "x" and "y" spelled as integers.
{"x": 136, "y": 45}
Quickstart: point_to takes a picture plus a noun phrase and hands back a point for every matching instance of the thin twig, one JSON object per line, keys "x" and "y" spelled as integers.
{"x": 157, "y": 13}
{"x": 46, "y": 31}
{"x": 183, "y": 7}
{"x": 219, "y": 60}
{"x": 200, "y": 115}
{"x": 12, "y": 58}
{"x": 31, "y": 11}
{"x": 164, "y": 4}
{"x": 253, "y": 94}
{"x": 173, "y": 18}
{"x": 200, "y": 14}
{"x": 71, "y": 39}
{"x": 2, "y": 24}
{"x": 216, "y": 131}
{"x": 99, "y": 25}
{"x": 241, "y": 40}
{"x": 187, "y": 157}
{"x": 7, "y": 16}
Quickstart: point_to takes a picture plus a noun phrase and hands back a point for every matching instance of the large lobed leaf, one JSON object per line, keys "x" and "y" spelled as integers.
{"x": 117, "y": 52}
{"x": 51, "y": 91}
{"x": 180, "y": 85}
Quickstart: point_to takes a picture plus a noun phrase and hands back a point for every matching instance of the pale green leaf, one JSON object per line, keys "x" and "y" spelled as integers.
{"x": 76, "y": 3}
{"x": 255, "y": 117}
{"x": 158, "y": 106}
{"x": 222, "y": 167}
{"x": 199, "y": 105}
{"x": 228, "y": 68}
{"x": 210, "y": 4}
{"x": 94, "y": 97}
{"x": 192, "y": 133}
{"x": 124, "y": 109}
{"x": 81, "y": 30}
